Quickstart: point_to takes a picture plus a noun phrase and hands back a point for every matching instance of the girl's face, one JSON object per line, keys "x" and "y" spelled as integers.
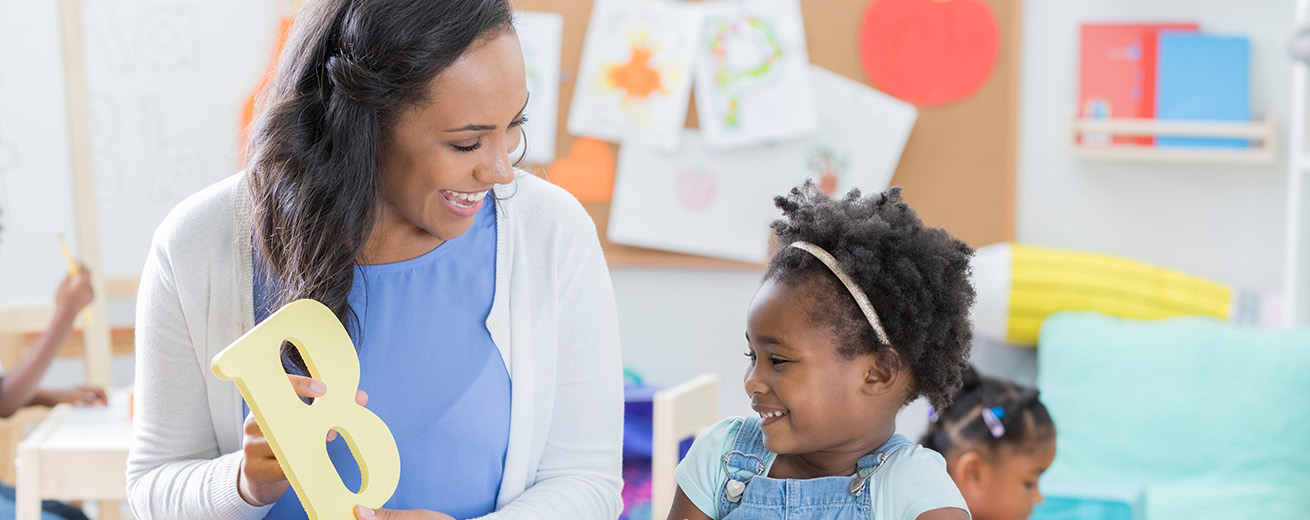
{"x": 1006, "y": 486}
{"x": 810, "y": 398}
{"x": 442, "y": 158}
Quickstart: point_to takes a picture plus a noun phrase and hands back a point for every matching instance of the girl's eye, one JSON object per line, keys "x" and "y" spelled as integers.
{"x": 1030, "y": 485}
{"x": 751, "y": 356}
{"x": 469, "y": 148}
{"x": 777, "y": 361}
{"x": 522, "y": 120}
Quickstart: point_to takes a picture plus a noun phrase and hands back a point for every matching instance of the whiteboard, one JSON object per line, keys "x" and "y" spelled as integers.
{"x": 167, "y": 82}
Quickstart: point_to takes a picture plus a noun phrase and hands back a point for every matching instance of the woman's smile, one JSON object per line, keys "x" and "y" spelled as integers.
{"x": 463, "y": 204}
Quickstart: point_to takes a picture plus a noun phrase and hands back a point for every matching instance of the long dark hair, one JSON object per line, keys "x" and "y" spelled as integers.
{"x": 348, "y": 68}
{"x": 1022, "y": 418}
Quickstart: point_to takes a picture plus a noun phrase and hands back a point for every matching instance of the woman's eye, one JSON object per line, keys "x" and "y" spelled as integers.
{"x": 468, "y": 148}
{"x": 777, "y": 361}
{"x": 750, "y": 356}
{"x": 522, "y": 120}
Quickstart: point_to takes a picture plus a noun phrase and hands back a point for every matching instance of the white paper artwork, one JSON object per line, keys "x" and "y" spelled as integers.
{"x": 541, "y": 36}
{"x": 699, "y": 201}
{"x": 634, "y": 81}
{"x": 861, "y": 138}
{"x": 752, "y": 74}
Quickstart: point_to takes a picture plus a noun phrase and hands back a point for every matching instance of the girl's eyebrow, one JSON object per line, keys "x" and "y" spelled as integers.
{"x": 766, "y": 340}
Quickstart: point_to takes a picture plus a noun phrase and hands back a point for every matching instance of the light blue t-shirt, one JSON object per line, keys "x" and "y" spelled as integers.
{"x": 432, "y": 374}
{"x": 912, "y": 481}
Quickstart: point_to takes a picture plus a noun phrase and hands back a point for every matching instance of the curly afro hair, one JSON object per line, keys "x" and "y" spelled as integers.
{"x": 916, "y": 277}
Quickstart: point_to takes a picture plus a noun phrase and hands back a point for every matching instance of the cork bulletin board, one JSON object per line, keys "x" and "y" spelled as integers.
{"x": 958, "y": 167}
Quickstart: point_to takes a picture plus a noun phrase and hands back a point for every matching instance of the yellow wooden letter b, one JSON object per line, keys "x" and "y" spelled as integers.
{"x": 295, "y": 430}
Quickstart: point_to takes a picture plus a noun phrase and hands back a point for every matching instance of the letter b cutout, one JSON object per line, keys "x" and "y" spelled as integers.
{"x": 295, "y": 430}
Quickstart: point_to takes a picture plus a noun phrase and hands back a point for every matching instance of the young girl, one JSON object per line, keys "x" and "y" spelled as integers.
{"x": 863, "y": 310}
{"x": 998, "y": 439}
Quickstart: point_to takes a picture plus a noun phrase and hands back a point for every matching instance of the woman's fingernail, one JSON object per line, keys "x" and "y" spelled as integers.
{"x": 317, "y": 387}
{"x": 364, "y": 512}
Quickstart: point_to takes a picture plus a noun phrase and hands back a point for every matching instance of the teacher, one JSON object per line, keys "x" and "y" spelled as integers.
{"x": 380, "y": 183}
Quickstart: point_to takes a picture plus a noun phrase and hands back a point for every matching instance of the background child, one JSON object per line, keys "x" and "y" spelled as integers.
{"x": 863, "y": 310}
{"x": 18, "y": 385}
{"x": 997, "y": 439}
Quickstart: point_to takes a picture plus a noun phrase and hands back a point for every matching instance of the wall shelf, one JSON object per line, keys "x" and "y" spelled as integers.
{"x": 1261, "y": 134}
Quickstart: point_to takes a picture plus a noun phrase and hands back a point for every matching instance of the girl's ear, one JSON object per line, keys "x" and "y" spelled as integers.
{"x": 970, "y": 471}
{"x": 880, "y": 376}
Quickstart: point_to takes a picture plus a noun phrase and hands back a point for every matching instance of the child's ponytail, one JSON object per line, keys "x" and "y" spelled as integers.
{"x": 988, "y": 412}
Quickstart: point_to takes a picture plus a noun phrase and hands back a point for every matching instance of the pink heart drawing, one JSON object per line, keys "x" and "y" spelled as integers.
{"x": 696, "y": 189}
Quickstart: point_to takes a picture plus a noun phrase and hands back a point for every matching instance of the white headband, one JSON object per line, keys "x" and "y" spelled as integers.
{"x": 860, "y": 298}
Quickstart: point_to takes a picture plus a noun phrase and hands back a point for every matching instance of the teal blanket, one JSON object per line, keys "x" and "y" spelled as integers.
{"x": 1213, "y": 419}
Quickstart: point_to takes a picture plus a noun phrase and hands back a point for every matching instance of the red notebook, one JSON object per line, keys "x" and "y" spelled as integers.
{"x": 1117, "y": 74}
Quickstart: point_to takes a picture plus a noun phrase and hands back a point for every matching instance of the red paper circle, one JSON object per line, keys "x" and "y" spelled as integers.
{"x": 929, "y": 52}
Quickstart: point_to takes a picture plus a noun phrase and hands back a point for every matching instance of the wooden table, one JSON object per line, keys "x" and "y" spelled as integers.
{"x": 76, "y": 454}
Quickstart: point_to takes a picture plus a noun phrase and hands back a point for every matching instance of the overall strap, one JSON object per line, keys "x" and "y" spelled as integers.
{"x": 743, "y": 462}
{"x": 895, "y": 444}
{"x": 869, "y": 464}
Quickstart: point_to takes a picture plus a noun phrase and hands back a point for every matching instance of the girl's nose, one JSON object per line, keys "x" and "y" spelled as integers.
{"x": 754, "y": 386}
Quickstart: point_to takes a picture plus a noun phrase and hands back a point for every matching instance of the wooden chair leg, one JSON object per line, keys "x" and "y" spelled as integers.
{"x": 110, "y": 510}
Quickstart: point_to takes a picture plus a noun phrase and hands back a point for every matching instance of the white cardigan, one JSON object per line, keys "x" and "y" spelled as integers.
{"x": 552, "y": 318}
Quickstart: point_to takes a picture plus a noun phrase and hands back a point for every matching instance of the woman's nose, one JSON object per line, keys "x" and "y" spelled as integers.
{"x": 496, "y": 168}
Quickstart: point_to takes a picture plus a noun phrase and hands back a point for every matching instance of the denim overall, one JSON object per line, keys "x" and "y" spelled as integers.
{"x": 824, "y": 497}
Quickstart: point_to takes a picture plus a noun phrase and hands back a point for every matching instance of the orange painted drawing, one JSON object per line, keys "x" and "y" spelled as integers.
{"x": 636, "y": 77}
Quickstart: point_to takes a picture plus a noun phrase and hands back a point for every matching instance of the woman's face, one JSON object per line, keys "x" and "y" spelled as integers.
{"x": 442, "y": 158}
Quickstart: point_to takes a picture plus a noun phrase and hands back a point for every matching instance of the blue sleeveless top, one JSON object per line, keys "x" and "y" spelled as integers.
{"x": 432, "y": 373}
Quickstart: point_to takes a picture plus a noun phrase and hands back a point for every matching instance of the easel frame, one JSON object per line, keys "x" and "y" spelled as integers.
{"x": 96, "y": 334}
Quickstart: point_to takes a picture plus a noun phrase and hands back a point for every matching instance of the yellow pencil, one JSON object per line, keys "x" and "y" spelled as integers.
{"x": 72, "y": 271}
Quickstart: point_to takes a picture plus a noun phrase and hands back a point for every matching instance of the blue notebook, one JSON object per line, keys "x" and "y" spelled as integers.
{"x": 1203, "y": 77}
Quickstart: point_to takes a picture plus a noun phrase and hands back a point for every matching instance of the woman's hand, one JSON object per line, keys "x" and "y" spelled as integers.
{"x": 364, "y": 513}
{"x": 261, "y": 481}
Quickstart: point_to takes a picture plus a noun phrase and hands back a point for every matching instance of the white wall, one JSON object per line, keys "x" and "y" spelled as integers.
{"x": 678, "y": 323}
{"x": 1222, "y": 222}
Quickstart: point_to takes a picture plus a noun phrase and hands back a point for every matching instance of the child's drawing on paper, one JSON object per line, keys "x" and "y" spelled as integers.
{"x": 861, "y": 139}
{"x": 746, "y": 54}
{"x": 635, "y": 78}
{"x": 634, "y": 81}
{"x": 827, "y": 167}
{"x": 699, "y": 200}
{"x": 696, "y": 188}
{"x": 541, "y": 36}
{"x": 751, "y": 82}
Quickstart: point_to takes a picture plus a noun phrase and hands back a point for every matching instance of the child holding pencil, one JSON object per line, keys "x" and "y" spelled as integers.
{"x": 18, "y": 385}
